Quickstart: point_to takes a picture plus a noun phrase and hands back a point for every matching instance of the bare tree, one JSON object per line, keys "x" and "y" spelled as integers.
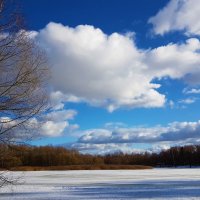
{"x": 23, "y": 73}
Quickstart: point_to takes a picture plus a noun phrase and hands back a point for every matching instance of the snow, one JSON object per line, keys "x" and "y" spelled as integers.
{"x": 110, "y": 184}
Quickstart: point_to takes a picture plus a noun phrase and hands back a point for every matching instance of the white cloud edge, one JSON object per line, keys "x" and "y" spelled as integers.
{"x": 110, "y": 71}
{"x": 124, "y": 139}
{"x": 177, "y": 15}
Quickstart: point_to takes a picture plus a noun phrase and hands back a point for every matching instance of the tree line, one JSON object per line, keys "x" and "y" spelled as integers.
{"x": 23, "y": 155}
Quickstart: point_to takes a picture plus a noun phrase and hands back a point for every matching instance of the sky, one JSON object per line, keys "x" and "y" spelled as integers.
{"x": 125, "y": 75}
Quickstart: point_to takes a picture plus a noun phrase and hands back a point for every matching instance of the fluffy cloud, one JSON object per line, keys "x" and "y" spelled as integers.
{"x": 56, "y": 121}
{"x": 103, "y": 70}
{"x": 15, "y": 131}
{"x": 51, "y": 124}
{"x": 61, "y": 115}
{"x": 48, "y": 124}
{"x": 137, "y": 139}
{"x": 175, "y": 60}
{"x": 109, "y": 70}
{"x": 105, "y": 148}
{"x": 181, "y": 15}
{"x": 58, "y": 99}
{"x": 53, "y": 129}
{"x": 174, "y": 132}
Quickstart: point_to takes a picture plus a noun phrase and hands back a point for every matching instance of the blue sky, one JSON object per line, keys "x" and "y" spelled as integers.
{"x": 125, "y": 74}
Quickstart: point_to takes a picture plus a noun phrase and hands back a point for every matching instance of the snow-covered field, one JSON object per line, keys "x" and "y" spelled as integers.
{"x": 119, "y": 184}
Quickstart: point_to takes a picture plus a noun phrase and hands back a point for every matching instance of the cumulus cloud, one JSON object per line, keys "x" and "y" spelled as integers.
{"x": 53, "y": 129}
{"x": 175, "y": 60}
{"x": 105, "y": 148}
{"x": 15, "y": 131}
{"x": 58, "y": 99}
{"x": 50, "y": 124}
{"x": 110, "y": 70}
{"x": 137, "y": 139}
{"x": 173, "y": 132}
{"x": 56, "y": 121}
{"x": 178, "y": 15}
{"x": 103, "y": 70}
{"x": 61, "y": 115}
{"x": 159, "y": 147}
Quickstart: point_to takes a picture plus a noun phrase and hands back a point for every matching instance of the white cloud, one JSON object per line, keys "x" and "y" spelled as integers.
{"x": 15, "y": 131}
{"x": 53, "y": 129}
{"x": 171, "y": 104}
{"x": 138, "y": 139}
{"x": 113, "y": 125}
{"x": 178, "y": 15}
{"x": 173, "y": 132}
{"x": 61, "y": 115}
{"x": 188, "y": 101}
{"x": 58, "y": 99}
{"x": 109, "y": 70}
{"x": 175, "y": 60}
{"x": 191, "y": 91}
{"x": 159, "y": 147}
{"x": 103, "y": 70}
{"x": 56, "y": 122}
{"x": 105, "y": 148}
{"x": 51, "y": 124}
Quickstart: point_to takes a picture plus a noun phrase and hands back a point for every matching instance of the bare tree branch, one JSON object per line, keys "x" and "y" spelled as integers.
{"x": 23, "y": 74}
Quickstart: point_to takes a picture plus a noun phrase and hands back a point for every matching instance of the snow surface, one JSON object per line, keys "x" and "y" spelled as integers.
{"x": 110, "y": 184}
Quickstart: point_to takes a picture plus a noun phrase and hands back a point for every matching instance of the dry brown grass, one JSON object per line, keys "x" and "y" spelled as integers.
{"x": 81, "y": 167}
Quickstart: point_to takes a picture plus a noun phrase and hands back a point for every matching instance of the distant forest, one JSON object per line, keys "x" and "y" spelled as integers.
{"x": 22, "y": 155}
